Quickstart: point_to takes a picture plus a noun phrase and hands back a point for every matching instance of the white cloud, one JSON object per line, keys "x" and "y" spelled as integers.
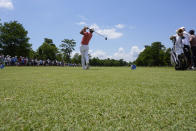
{"x": 135, "y": 51}
{"x": 109, "y": 33}
{"x": 6, "y": 4}
{"x": 81, "y": 23}
{"x": 127, "y": 56}
{"x": 98, "y": 53}
{"x": 120, "y": 26}
{"x": 120, "y": 54}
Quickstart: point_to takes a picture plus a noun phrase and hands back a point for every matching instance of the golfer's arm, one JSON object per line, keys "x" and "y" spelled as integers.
{"x": 82, "y": 31}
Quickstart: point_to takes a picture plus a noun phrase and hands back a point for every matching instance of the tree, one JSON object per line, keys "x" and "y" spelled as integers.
{"x": 67, "y": 47}
{"x": 14, "y": 40}
{"x": 76, "y": 58}
{"x": 154, "y": 55}
{"x": 145, "y": 57}
{"x": 47, "y": 50}
{"x": 157, "y": 52}
{"x": 122, "y": 62}
{"x": 59, "y": 57}
{"x": 167, "y": 57}
{"x": 94, "y": 61}
{"x": 33, "y": 54}
{"x": 1, "y": 49}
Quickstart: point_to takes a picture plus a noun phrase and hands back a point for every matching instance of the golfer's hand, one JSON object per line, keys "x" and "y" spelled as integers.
{"x": 86, "y": 27}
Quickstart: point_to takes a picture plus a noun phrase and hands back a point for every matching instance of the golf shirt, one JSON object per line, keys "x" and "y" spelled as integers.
{"x": 186, "y": 39}
{"x": 86, "y": 38}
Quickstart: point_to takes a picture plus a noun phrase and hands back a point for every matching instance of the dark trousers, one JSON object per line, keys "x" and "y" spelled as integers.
{"x": 193, "y": 48}
{"x": 187, "y": 52}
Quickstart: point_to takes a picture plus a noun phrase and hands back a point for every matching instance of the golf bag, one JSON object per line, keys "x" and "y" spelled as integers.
{"x": 179, "y": 61}
{"x": 133, "y": 67}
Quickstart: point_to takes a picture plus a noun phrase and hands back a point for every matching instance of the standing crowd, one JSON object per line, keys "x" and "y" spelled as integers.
{"x": 185, "y": 46}
{"x": 25, "y": 61}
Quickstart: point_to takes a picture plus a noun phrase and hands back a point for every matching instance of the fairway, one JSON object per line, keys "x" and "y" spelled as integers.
{"x": 102, "y": 98}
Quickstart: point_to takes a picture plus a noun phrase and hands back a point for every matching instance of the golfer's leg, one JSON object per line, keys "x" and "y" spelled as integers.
{"x": 86, "y": 57}
{"x": 82, "y": 57}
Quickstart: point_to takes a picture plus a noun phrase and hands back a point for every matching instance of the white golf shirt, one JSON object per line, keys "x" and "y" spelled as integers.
{"x": 179, "y": 45}
{"x": 186, "y": 40}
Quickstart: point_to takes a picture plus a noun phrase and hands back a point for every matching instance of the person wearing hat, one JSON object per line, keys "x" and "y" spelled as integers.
{"x": 193, "y": 47}
{"x": 186, "y": 39}
{"x": 179, "y": 43}
{"x": 84, "y": 46}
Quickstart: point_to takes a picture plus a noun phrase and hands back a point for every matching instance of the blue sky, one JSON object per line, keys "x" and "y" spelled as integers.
{"x": 130, "y": 24}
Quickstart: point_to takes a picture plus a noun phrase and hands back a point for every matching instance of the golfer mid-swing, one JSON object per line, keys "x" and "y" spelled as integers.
{"x": 84, "y": 46}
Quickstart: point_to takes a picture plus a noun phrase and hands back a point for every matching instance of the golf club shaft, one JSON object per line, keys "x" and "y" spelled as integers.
{"x": 99, "y": 34}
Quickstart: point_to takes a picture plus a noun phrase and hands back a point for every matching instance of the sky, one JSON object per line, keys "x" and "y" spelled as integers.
{"x": 128, "y": 24}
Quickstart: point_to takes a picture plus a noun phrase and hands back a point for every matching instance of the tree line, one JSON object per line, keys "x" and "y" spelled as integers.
{"x": 14, "y": 41}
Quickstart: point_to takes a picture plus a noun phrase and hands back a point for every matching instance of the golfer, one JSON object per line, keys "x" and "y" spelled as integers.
{"x": 84, "y": 46}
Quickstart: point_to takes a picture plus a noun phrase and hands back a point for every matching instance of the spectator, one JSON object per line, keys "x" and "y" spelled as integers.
{"x": 186, "y": 43}
{"x": 179, "y": 44}
{"x": 193, "y": 47}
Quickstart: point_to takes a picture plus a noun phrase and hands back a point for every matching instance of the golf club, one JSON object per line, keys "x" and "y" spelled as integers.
{"x": 101, "y": 35}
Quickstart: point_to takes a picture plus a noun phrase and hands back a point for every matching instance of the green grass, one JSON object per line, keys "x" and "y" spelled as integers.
{"x": 102, "y": 98}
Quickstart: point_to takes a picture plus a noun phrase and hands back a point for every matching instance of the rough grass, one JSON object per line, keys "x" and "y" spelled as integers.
{"x": 102, "y": 98}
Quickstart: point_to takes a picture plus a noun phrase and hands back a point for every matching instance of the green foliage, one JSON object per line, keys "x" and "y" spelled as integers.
{"x": 1, "y": 49}
{"x": 14, "y": 40}
{"x": 167, "y": 57}
{"x": 154, "y": 55}
{"x": 67, "y": 47}
{"x": 76, "y": 58}
{"x": 102, "y": 98}
{"x": 107, "y": 62}
{"x": 33, "y": 54}
{"x": 47, "y": 50}
{"x": 59, "y": 57}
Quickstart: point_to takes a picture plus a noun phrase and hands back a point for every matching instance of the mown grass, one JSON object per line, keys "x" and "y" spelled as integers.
{"x": 102, "y": 98}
